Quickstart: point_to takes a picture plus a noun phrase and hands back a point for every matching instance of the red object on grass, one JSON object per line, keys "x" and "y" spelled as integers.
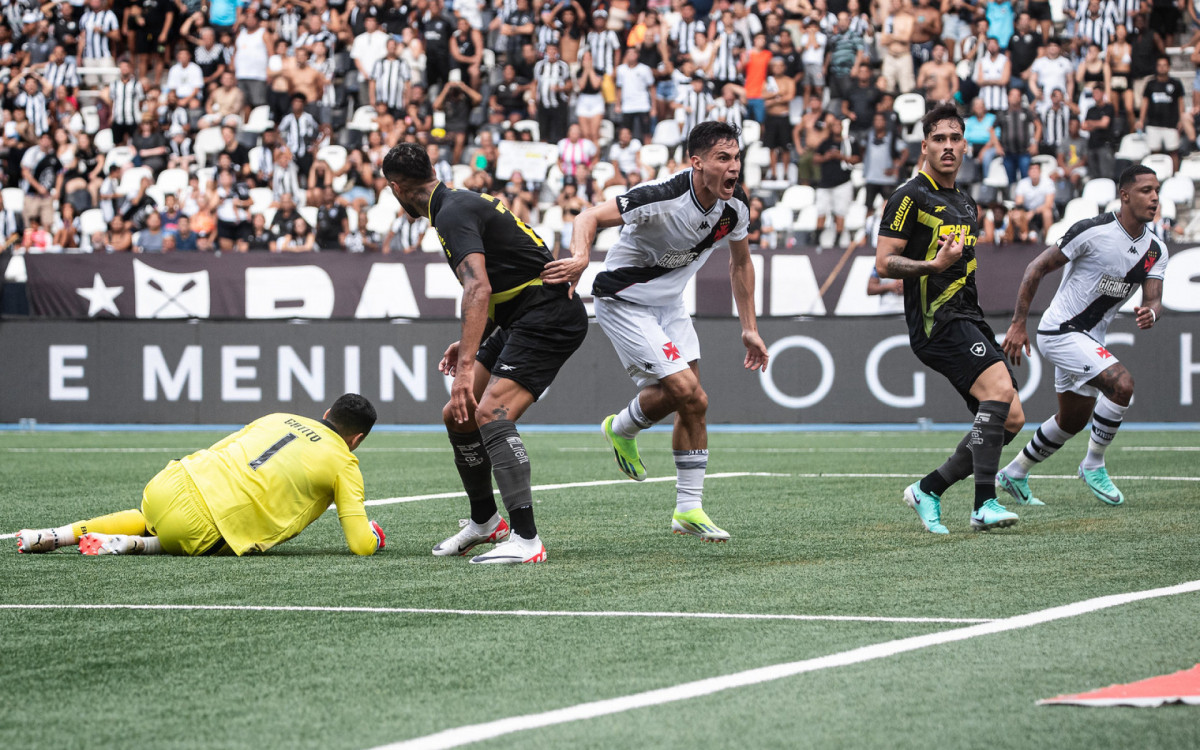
{"x": 1181, "y": 687}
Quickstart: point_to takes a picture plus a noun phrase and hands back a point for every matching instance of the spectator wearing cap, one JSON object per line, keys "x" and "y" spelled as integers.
{"x": 252, "y": 49}
{"x": 603, "y": 43}
{"x": 636, "y": 96}
{"x": 552, "y": 87}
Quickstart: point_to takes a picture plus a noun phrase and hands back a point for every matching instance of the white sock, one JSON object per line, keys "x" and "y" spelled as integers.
{"x": 1048, "y": 439}
{"x": 1106, "y": 419}
{"x": 64, "y": 536}
{"x": 631, "y": 420}
{"x": 150, "y": 545}
{"x": 689, "y": 479}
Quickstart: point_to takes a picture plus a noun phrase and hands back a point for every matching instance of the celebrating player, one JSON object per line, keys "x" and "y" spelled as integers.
{"x": 927, "y": 237}
{"x": 1106, "y": 257}
{"x": 535, "y": 327}
{"x": 250, "y": 491}
{"x": 670, "y": 229}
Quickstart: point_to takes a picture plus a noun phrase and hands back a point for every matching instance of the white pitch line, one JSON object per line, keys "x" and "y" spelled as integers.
{"x": 503, "y": 612}
{"x": 470, "y": 734}
{"x": 570, "y": 485}
{"x": 1161, "y": 448}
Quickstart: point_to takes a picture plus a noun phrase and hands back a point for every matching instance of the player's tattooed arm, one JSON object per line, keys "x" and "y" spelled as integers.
{"x": 1151, "y": 308}
{"x": 891, "y": 263}
{"x": 477, "y": 290}
{"x": 1016, "y": 339}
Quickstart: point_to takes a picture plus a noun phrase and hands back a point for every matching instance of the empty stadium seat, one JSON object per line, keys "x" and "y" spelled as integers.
{"x": 1179, "y": 190}
{"x": 654, "y": 155}
{"x": 1079, "y": 209}
{"x": 1133, "y": 148}
{"x": 334, "y": 156}
{"x": 603, "y": 171}
{"x": 798, "y": 197}
{"x": 1162, "y": 164}
{"x": 910, "y": 108}
{"x": 260, "y": 120}
{"x": 92, "y": 221}
{"x": 14, "y": 199}
{"x": 530, "y": 126}
{"x": 172, "y": 180}
{"x": 1100, "y": 190}
{"x": 363, "y": 119}
{"x": 667, "y": 133}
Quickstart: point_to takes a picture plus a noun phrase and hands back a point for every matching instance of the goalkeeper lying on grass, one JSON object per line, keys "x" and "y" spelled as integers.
{"x": 252, "y": 490}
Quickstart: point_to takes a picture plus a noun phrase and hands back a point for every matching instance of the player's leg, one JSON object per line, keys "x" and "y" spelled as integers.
{"x": 485, "y": 525}
{"x": 1116, "y": 387}
{"x": 46, "y": 540}
{"x": 689, "y": 442}
{"x": 1071, "y": 417}
{"x": 995, "y": 392}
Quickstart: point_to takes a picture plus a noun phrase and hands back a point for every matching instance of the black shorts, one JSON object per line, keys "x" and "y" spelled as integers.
{"x": 778, "y": 131}
{"x": 961, "y": 350}
{"x": 1039, "y": 11}
{"x": 534, "y": 345}
{"x": 233, "y": 230}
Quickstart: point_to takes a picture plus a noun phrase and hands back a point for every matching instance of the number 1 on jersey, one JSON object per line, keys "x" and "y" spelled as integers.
{"x": 266, "y": 455}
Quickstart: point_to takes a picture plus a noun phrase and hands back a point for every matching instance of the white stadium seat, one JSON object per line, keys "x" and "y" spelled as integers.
{"x": 1179, "y": 190}
{"x": 1162, "y": 164}
{"x": 910, "y": 108}
{"x": 654, "y": 155}
{"x": 1100, "y": 190}
{"x": 799, "y": 197}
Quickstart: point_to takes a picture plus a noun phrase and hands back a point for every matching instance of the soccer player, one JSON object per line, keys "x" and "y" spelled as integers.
{"x": 250, "y": 491}
{"x": 534, "y": 328}
{"x": 670, "y": 228}
{"x": 1106, "y": 258}
{"x": 927, "y": 237}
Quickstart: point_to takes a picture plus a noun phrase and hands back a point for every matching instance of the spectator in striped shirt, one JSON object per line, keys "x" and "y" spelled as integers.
{"x": 60, "y": 71}
{"x": 300, "y": 133}
{"x": 33, "y": 101}
{"x": 99, "y": 27}
{"x": 388, "y": 79}
{"x": 124, "y": 98}
{"x": 552, "y": 84}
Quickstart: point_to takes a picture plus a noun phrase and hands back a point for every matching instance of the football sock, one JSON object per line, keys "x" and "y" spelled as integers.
{"x": 141, "y": 545}
{"x": 475, "y": 470}
{"x": 510, "y": 465}
{"x": 689, "y": 479}
{"x": 1048, "y": 438}
{"x": 130, "y": 522}
{"x": 1106, "y": 419}
{"x": 986, "y": 442}
{"x": 957, "y": 467}
{"x": 631, "y": 420}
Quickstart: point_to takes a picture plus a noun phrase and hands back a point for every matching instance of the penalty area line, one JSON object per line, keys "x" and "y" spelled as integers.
{"x": 503, "y": 612}
{"x": 470, "y": 734}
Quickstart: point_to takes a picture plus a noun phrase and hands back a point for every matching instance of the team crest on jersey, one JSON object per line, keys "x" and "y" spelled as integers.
{"x": 1151, "y": 258}
{"x": 724, "y": 227}
{"x": 670, "y": 351}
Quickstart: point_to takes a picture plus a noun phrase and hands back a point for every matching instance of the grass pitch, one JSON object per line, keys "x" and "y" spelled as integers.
{"x": 839, "y": 544}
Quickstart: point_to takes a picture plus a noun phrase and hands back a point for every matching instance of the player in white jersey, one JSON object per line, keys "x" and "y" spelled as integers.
{"x": 1107, "y": 258}
{"x": 669, "y": 229}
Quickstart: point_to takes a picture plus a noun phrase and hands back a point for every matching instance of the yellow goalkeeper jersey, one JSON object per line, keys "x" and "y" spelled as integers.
{"x": 265, "y": 483}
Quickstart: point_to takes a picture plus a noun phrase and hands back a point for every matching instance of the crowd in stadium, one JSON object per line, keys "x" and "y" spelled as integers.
{"x": 185, "y": 125}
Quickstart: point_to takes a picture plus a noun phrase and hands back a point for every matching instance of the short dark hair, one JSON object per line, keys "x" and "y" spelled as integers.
{"x": 939, "y": 114}
{"x": 1130, "y": 175}
{"x": 352, "y": 414}
{"x": 705, "y": 136}
{"x": 407, "y": 161}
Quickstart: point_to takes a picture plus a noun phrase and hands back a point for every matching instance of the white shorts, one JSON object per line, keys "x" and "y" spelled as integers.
{"x": 651, "y": 342}
{"x": 1162, "y": 140}
{"x": 589, "y": 105}
{"x": 835, "y": 200}
{"x": 1077, "y": 358}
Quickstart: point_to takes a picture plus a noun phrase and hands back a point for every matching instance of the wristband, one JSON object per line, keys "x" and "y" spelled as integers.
{"x": 1153, "y": 316}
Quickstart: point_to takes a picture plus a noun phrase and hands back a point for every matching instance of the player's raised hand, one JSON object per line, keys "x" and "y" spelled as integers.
{"x": 950, "y": 249}
{"x": 449, "y": 363}
{"x": 756, "y": 351}
{"x": 1016, "y": 340}
{"x": 1146, "y": 317}
{"x": 565, "y": 271}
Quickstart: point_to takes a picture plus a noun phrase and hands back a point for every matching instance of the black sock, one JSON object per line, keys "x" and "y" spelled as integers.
{"x": 956, "y": 468}
{"x": 475, "y": 470}
{"x": 987, "y": 440}
{"x": 510, "y": 466}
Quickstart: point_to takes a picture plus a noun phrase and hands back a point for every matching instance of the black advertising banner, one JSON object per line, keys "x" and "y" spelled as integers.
{"x": 323, "y": 286}
{"x": 821, "y": 371}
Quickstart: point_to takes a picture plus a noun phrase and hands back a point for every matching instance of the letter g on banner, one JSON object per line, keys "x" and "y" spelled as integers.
{"x": 817, "y": 394}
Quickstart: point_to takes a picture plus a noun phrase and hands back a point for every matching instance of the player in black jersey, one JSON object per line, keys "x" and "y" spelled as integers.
{"x": 534, "y": 328}
{"x": 927, "y": 237}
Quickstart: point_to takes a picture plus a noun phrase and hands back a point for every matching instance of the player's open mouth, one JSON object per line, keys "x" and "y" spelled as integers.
{"x": 729, "y": 184}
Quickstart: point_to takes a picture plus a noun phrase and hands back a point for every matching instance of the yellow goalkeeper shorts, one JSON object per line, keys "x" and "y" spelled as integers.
{"x": 177, "y": 515}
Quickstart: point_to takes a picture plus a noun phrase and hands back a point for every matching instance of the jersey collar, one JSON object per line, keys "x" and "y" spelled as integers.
{"x": 435, "y": 199}
{"x": 695, "y": 200}
{"x": 933, "y": 183}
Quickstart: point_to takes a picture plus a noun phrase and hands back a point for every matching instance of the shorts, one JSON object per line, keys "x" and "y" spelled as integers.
{"x": 1039, "y": 11}
{"x": 651, "y": 342}
{"x": 1162, "y": 140}
{"x": 814, "y": 74}
{"x": 835, "y": 200}
{"x": 961, "y": 350}
{"x": 233, "y": 230}
{"x": 1119, "y": 83}
{"x": 532, "y": 347}
{"x": 589, "y": 105}
{"x": 778, "y": 132}
{"x": 175, "y": 513}
{"x": 1077, "y": 359}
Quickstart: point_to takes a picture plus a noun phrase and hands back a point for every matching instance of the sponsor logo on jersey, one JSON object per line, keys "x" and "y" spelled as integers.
{"x": 623, "y": 203}
{"x": 1111, "y": 286}
{"x": 703, "y": 224}
{"x": 677, "y": 259}
{"x": 938, "y": 209}
{"x": 1132, "y": 250}
{"x": 901, "y": 214}
{"x": 670, "y": 351}
{"x": 963, "y": 231}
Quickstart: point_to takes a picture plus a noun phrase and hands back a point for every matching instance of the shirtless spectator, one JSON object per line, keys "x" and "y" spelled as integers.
{"x": 896, "y": 40}
{"x": 938, "y": 79}
{"x": 809, "y": 133}
{"x": 307, "y": 80}
{"x": 778, "y": 93}
{"x": 927, "y": 28}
